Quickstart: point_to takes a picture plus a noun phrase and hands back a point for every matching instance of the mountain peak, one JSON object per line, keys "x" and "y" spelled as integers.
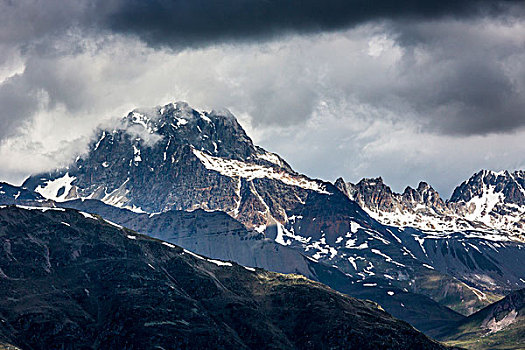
{"x": 175, "y": 157}
{"x": 510, "y": 185}
{"x": 175, "y": 114}
{"x": 423, "y": 186}
{"x": 372, "y": 182}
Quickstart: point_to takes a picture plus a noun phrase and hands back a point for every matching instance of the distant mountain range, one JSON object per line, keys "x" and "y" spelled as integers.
{"x": 196, "y": 179}
{"x": 489, "y": 201}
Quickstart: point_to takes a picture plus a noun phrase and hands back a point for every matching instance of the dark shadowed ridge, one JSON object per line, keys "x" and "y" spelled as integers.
{"x": 71, "y": 280}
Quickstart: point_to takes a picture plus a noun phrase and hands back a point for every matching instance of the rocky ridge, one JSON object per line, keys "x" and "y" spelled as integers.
{"x": 10, "y": 194}
{"x": 492, "y": 202}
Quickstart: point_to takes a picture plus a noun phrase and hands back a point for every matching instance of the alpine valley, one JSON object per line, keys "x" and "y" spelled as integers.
{"x": 175, "y": 177}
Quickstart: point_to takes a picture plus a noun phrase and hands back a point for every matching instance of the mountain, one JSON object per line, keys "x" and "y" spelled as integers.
{"x": 498, "y": 326}
{"x": 496, "y": 199}
{"x": 492, "y": 202}
{"x": 214, "y": 234}
{"x": 176, "y": 158}
{"x": 461, "y": 271}
{"x": 72, "y": 280}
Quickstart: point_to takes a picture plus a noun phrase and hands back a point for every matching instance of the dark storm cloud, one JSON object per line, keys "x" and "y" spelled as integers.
{"x": 473, "y": 95}
{"x": 472, "y": 83}
{"x": 195, "y": 22}
{"x": 199, "y": 22}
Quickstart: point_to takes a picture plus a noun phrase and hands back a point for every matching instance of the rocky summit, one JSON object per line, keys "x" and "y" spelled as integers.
{"x": 71, "y": 280}
{"x": 174, "y": 157}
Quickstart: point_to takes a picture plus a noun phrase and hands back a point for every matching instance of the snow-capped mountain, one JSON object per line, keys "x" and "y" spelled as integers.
{"x": 491, "y": 202}
{"x": 176, "y": 158}
{"x": 496, "y": 199}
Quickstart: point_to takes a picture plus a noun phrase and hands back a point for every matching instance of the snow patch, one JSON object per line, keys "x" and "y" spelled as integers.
{"x": 270, "y": 157}
{"x": 88, "y": 216}
{"x": 42, "y": 209}
{"x": 219, "y": 263}
{"x": 235, "y": 168}
{"x": 496, "y": 326}
{"x": 57, "y": 189}
{"x": 354, "y": 226}
{"x": 193, "y": 254}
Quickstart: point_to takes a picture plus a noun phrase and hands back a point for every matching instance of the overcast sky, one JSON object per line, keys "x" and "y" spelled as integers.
{"x": 407, "y": 90}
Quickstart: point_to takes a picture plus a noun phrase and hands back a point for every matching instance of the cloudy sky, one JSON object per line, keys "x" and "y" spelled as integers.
{"x": 407, "y": 90}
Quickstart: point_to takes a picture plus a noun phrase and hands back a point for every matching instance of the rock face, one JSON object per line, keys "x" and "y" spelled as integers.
{"x": 488, "y": 201}
{"x": 498, "y": 326}
{"x": 70, "y": 280}
{"x": 214, "y": 234}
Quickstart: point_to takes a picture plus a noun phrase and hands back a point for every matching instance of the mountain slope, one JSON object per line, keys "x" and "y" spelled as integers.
{"x": 70, "y": 280}
{"x": 498, "y": 326}
{"x": 219, "y": 236}
{"x": 10, "y": 194}
{"x": 409, "y": 259}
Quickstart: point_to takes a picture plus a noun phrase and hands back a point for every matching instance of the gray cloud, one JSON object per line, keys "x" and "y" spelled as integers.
{"x": 18, "y": 104}
{"x": 470, "y": 80}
